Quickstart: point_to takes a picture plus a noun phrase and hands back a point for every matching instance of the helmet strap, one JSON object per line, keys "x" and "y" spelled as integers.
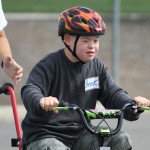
{"x": 74, "y": 50}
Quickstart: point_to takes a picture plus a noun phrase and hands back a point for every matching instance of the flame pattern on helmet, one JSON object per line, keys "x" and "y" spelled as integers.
{"x": 82, "y": 21}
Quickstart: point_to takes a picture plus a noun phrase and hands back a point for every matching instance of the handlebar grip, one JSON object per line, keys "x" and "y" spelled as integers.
{"x": 4, "y": 90}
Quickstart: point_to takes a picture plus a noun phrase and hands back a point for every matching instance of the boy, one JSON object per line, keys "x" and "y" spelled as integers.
{"x": 73, "y": 74}
{"x": 8, "y": 64}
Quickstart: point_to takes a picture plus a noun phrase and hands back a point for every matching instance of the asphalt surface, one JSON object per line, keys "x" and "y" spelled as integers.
{"x": 139, "y": 130}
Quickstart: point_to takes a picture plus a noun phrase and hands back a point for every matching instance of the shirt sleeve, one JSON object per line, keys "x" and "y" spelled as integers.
{"x": 37, "y": 87}
{"x": 114, "y": 97}
{"x": 3, "y": 21}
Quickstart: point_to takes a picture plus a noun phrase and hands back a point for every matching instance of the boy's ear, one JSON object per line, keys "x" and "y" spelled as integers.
{"x": 67, "y": 39}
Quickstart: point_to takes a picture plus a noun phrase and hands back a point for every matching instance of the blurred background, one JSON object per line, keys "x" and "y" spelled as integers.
{"x": 125, "y": 48}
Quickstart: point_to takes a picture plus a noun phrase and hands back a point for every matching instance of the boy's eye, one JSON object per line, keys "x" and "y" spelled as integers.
{"x": 96, "y": 40}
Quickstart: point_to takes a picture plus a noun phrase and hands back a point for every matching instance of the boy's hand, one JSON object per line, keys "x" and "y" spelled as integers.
{"x": 12, "y": 69}
{"x": 141, "y": 101}
{"x": 47, "y": 103}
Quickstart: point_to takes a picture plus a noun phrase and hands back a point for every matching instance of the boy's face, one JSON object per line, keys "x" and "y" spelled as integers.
{"x": 86, "y": 48}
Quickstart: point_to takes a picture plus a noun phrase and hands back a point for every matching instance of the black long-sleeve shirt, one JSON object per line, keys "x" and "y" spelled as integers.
{"x": 76, "y": 83}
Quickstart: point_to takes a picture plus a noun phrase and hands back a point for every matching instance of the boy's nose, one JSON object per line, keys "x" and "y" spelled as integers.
{"x": 91, "y": 45}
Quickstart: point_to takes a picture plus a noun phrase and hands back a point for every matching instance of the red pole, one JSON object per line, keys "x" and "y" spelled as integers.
{"x": 16, "y": 117}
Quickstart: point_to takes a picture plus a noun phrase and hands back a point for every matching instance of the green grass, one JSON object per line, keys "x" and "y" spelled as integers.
{"x": 53, "y": 6}
{"x": 57, "y": 6}
{"x": 135, "y": 6}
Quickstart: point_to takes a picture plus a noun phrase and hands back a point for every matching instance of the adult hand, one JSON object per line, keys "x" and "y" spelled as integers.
{"x": 12, "y": 69}
{"x": 47, "y": 103}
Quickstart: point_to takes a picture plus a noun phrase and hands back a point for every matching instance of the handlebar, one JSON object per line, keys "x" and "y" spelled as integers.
{"x": 103, "y": 114}
{"x": 4, "y": 90}
{"x": 8, "y": 89}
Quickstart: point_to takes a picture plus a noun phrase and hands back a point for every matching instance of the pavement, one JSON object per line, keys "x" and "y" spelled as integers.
{"x": 6, "y": 113}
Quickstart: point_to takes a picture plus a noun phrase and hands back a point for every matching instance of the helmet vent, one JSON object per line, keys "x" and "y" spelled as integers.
{"x": 83, "y": 20}
{"x": 72, "y": 13}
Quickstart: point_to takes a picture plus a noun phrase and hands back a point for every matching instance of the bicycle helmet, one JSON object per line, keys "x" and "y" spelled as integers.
{"x": 81, "y": 21}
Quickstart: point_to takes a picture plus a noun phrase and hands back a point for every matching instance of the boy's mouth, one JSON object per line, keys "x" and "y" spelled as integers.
{"x": 90, "y": 53}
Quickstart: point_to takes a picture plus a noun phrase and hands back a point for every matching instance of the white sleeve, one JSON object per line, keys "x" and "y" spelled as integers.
{"x": 3, "y": 21}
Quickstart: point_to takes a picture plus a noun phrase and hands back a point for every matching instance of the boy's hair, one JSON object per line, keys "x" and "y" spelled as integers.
{"x": 80, "y": 21}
